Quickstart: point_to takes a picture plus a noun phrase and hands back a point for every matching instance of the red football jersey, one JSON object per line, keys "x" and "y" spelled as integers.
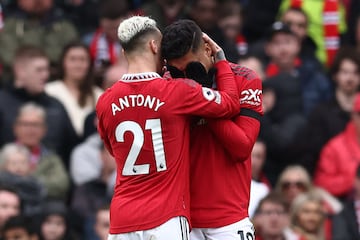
{"x": 220, "y": 159}
{"x": 145, "y": 124}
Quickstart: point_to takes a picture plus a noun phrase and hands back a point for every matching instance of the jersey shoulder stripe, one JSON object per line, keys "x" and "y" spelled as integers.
{"x": 245, "y": 72}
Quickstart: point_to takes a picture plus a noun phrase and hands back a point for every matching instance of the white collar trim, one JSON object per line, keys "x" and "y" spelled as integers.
{"x": 138, "y": 77}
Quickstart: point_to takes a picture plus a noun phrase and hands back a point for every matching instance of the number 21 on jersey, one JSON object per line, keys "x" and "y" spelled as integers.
{"x": 153, "y": 125}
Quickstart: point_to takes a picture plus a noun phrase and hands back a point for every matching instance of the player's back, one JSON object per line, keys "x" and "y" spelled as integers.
{"x": 148, "y": 145}
{"x": 145, "y": 124}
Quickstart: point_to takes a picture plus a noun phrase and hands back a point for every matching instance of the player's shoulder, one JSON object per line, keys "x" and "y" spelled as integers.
{"x": 105, "y": 95}
{"x": 182, "y": 82}
{"x": 242, "y": 71}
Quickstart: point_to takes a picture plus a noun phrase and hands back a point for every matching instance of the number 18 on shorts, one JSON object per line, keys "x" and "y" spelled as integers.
{"x": 242, "y": 230}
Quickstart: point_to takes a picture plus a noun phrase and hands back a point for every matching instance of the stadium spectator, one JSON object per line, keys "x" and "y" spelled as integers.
{"x": 114, "y": 74}
{"x": 346, "y": 223}
{"x": 272, "y": 219}
{"x": 45, "y": 165}
{"x": 75, "y": 89}
{"x": 258, "y": 17}
{"x": 307, "y": 217}
{"x": 37, "y": 23}
{"x": 329, "y": 118}
{"x": 164, "y": 12}
{"x": 260, "y": 186}
{"x": 205, "y": 14}
{"x": 230, "y": 22}
{"x": 54, "y": 222}
{"x": 298, "y": 22}
{"x": 83, "y": 14}
{"x": 91, "y": 195}
{"x": 160, "y": 204}
{"x": 15, "y": 171}
{"x": 102, "y": 222}
{"x": 19, "y": 227}
{"x": 297, "y": 87}
{"x": 258, "y": 159}
{"x": 254, "y": 63}
{"x": 226, "y": 152}
{"x": 326, "y": 24}
{"x": 103, "y": 43}
{"x": 85, "y": 162}
{"x": 283, "y": 48}
{"x": 340, "y": 157}
{"x": 10, "y": 204}
{"x": 295, "y": 180}
{"x": 31, "y": 70}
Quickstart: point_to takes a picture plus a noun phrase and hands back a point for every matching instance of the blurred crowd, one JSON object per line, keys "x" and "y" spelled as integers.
{"x": 58, "y": 56}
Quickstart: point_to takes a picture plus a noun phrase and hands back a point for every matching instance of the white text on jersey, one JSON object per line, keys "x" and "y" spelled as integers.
{"x": 136, "y": 101}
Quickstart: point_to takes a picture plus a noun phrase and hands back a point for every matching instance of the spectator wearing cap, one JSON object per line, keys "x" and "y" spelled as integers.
{"x": 346, "y": 224}
{"x": 297, "y": 87}
{"x": 340, "y": 157}
{"x": 327, "y": 23}
{"x": 283, "y": 48}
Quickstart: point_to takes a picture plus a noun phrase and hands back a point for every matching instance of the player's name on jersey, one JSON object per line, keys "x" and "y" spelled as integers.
{"x": 139, "y": 100}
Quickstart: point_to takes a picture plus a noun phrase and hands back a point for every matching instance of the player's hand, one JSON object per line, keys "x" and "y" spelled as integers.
{"x": 217, "y": 51}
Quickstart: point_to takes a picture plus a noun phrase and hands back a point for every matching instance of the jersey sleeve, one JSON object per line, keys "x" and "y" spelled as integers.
{"x": 239, "y": 135}
{"x": 225, "y": 79}
{"x": 100, "y": 128}
{"x": 193, "y": 99}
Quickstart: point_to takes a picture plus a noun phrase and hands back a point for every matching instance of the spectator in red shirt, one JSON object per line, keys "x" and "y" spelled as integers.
{"x": 340, "y": 157}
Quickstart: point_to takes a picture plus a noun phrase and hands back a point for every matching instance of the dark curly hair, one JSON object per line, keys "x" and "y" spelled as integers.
{"x": 179, "y": 38}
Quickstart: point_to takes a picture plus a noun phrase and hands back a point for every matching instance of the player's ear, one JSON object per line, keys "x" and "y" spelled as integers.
{"x": 154, "y": 46}
{"x": 207, "y": 50}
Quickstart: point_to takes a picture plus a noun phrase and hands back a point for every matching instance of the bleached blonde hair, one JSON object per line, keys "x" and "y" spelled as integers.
{"x": 297, "y": 206}
{"x": 131, "y": 27}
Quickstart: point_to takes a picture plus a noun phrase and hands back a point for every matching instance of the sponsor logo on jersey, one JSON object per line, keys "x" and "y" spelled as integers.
{"x": 251, "y": 97}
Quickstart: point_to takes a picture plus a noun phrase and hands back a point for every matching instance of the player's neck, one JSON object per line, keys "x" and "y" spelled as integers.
{"x": 140, "y": 64}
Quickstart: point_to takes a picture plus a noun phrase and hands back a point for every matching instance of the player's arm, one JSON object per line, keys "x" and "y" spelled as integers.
{"x": 239, "y": 135}
{"x": 101, "y": 131}
{"x": 225, "y": 76}
{"x": 192, "y": 98}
